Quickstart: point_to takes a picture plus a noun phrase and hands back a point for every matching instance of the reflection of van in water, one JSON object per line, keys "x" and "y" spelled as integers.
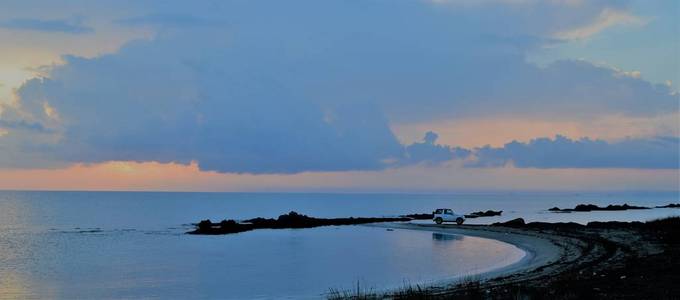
{"x": 442, "y": 215}
{"x": 445, "y": 237}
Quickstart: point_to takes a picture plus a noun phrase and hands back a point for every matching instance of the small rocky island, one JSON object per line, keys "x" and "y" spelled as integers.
{"x": 488, "y": 213}
{"x": 290, "y": 220}
{"x": 593, "y": 207}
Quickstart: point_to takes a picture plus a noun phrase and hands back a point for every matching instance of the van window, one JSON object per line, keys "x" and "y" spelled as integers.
{"x": 438, "y": 211}
{"x": 448, "y": 212}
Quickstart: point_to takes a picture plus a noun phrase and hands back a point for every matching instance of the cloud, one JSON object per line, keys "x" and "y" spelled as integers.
{"x": 177, "y": 20}
{"x": 607, "y": 18}
{"x": 148, "y": 103}
{"x": 507, "y": 2}
{"x": 431, "y": 153}
{"x": 73, "y": 26}
{"x": 562, "y": 152}
{"x": 562, "y": 19}
{"x": 22, "y": 124}
{"x": 285, "y": 90}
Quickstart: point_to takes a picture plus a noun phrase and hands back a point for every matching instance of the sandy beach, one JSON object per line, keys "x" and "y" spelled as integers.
{"x": 568, "y": 261}
{"x": 541, "y": 249}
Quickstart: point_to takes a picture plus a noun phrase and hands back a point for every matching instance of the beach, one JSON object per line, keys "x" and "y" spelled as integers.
{"x": 541, "y": 249}
{"x": 569, "y": 261}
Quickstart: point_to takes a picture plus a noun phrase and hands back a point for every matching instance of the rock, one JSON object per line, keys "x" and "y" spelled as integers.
{"x": 205, "y": 225}
{"x": 593, "y": 207}
{"x": 488, "y": 213}
{"x": 419, "y": 216}
{"x": 228, "y": 223}
{"x": 672, "y": 205}
{"x": 519, "y": 222}
{"x": 290, "y": 220}
{"x": 586, "y": 207}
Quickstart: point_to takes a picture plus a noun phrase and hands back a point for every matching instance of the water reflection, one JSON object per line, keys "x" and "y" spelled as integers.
{"x": 443, "y": 237}
{"x": 13, "y": 286}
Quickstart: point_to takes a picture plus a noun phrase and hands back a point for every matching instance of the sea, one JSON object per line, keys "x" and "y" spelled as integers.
{"x": 133, "y": 245}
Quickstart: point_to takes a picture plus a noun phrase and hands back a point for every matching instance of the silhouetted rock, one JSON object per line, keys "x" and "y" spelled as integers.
{"x": 586, "y": 207}
{"x": 419, "y": 216}
{"x": 593, "y": 207}
{"x": 205, "y": 225}
{"x": 488, "y": 213}
{"x": 672, "y": 205}
{"x": 290, "y": 220}
{"x": 228, "y": 223}
{"x": 519, "y": 222}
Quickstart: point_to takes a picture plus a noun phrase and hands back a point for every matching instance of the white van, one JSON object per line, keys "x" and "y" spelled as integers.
{"x": 442, "y": 215}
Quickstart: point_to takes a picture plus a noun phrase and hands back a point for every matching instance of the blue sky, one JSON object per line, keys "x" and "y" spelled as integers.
{"x": 651, "y": 49}
{"x": 250, "y": 89}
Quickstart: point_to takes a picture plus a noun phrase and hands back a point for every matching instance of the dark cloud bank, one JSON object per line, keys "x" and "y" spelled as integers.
{"x": 290, "y": 92}
{"x": 562, "y": 152}
{"x": 73, "y": 26}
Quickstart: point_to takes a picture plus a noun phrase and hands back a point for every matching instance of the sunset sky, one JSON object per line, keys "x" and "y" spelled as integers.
{"x": 376, "y": 95}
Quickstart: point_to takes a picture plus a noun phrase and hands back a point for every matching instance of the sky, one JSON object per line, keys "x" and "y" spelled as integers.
{"x": 376, "y": 95}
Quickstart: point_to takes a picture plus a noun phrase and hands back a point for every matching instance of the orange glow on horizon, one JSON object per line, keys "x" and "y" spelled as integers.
{"x": 154, "y": 176}
{"x": 470, "y": 133}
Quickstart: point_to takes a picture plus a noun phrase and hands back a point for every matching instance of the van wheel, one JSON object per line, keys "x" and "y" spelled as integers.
{"x": 438, "y": 220}
{"x": 459, "y": 221}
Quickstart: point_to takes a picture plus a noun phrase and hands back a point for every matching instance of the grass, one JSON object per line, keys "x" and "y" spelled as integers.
{"x": 359, "y": 293}
{"x": 470, "y": 288}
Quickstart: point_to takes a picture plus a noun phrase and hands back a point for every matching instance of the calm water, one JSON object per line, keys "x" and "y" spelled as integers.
{"x": 131, "y": 245}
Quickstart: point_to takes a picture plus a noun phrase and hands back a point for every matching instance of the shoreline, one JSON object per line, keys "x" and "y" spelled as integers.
{"x": 541, "y": 250}
{"x": 568, "y": 261}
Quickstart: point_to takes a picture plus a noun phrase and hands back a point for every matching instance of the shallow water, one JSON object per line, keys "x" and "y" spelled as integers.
{"x": 131, "y": 245}
{"x": 260, "y": 264}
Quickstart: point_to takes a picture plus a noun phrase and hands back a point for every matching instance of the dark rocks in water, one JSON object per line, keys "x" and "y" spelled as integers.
{"x": 488, "y": 213}
{"x": 226, "y": 226}
{"x": 519, "y": 222}
{"x": 290, "y": 220}
{"x": 228, "y": 223}
{"x": 587, "y": 207}
{"x": 204, "y": 224}
{"x": 419, "y": 216}
{"x": 624, "y": 207}
{"x": 672, "y": 205}
{"x": 593, "y": 207}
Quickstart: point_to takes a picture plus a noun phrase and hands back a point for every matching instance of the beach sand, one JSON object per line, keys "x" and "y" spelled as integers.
{"x": 568, "y": 261}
